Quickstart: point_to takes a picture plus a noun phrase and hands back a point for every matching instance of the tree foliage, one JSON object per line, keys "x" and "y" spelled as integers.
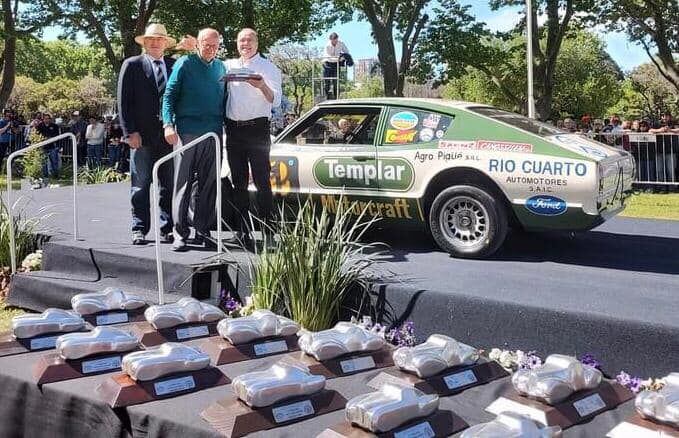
{"x": 646, "y": 93}
{"x": 297, "y": 64}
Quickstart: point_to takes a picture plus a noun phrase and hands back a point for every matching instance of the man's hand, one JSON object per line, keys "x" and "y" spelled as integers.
{"x": 171, "y": 135}
{"x": 187, "y": 43}
{"x": 261, "y": 86}
{"x": 134, "y": 140}
{"x": 257, "y": 83}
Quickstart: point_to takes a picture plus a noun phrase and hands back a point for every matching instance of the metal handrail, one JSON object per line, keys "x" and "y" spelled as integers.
{"x": 12, "y": 247}
{"x": 156, "y": 220}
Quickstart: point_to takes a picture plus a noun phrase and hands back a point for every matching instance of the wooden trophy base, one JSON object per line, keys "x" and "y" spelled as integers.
{"x": 639, "y": 427}
{"x": 9, "y": 345}
{"x": 222, "y": 351}
{"x": 438, "y": 424}
{"x": 110, "y": 317}
{"x": 53, "y": 368}
{"x": 231, "y": 417}
{"x": 578, "y": 408}
{"x": 149, "y": 337}
{"x": 451, "y": 381}
{"x": 120, "y": 390}
{"x": 347, "y": 365}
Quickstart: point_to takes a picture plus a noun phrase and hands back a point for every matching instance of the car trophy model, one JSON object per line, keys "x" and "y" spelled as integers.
{"x": 511, "y": 425}
{"x": 662, "y": 405}
{"x": 49, "y": 321}
{"x": 344, "y": 338}
{"x": 261, "y": 324}
{"x": 390, "y": 407}
{"x": 167, "y": 359}
{"x": 558, "y": 378}
{"x": 281, "y": 381}
{"x": 111, "y": 298}
{"x": 185, "y": 310}
{"x": 100, "y": 340}
{"x": 438, "y": 353}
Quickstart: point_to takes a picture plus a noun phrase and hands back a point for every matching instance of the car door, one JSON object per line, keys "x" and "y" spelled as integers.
{"x": 331, "y": 151}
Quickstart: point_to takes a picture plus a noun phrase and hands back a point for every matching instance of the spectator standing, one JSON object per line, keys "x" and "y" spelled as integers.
{"x": 95, "y": 142}
{"x": 79, "y": 129}
{"x": 193, "y": 105}
{"x": 141, "y": 85}
{"x": 48, "y": 129}
{"x": 336, "y": 54}
{"x": 5, "y": 133}
{"x": 248, "y": 143}
{"x": 115, "y": 147}
{"x": 667, "y": 149}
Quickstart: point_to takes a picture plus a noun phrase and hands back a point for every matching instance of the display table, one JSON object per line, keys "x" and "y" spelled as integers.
{"x": 72, "y": 408}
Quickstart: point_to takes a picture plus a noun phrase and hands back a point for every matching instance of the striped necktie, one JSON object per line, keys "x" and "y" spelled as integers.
{"x": 160, "y": 77}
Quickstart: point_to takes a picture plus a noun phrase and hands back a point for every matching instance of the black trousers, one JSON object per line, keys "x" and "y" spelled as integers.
{"x": 247, "y": 148}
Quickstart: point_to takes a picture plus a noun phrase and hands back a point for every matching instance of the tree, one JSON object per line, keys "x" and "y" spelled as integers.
{"x": 408, "y": 19}
{"x": 651, "y": 24}
{"x": 646, "y": 92}
{"x": 297, "y": 64}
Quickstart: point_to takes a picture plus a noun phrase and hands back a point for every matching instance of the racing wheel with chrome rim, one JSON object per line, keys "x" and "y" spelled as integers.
{"x": 467, "y": 222}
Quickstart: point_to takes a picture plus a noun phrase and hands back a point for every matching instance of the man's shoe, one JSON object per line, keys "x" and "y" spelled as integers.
{"x": 166, "y": 238}
{"x": 204, "y": 240}
{"x": 179, "y": 246}
{"x": 138, "y": 238}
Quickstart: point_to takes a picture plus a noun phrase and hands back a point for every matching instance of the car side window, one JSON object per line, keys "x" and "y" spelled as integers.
{"x": 337, "y": 126}
{"x": 408, "y": 126}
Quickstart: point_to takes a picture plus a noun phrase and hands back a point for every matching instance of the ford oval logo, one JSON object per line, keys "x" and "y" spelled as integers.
{"x": 546, "y": 205}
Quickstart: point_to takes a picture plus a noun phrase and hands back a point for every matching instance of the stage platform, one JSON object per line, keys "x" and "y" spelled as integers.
{"x": 612, "y": 292}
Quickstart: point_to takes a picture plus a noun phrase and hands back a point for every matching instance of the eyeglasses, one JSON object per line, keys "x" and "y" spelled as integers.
{"x": 210, "y": 46}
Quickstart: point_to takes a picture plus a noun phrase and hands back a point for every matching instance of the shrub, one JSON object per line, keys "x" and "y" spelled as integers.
{"x": 33, "y": 162}
{"x": 27, "y": 230}
{"x": 99, "y": 175}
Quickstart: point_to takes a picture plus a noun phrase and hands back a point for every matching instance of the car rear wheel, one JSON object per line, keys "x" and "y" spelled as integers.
{"x": 468, "y": 222}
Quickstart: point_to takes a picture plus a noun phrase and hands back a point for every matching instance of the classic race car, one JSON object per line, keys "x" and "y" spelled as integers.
{"x": 465, "y": 170}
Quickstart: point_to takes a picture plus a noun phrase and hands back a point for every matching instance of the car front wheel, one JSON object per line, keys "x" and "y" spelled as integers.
{"x": 468, "y": 222}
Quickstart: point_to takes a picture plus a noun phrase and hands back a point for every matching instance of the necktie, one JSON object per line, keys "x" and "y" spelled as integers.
{"x": 160, "y": 77}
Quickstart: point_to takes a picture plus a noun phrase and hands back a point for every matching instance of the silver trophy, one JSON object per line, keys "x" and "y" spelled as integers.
{"x": 111, "y": 298}
{"x": 99, "y": 340}
{"x": 557, "y": 379}
{"x": 511, "y": 425}
{"x": 169, "y": 358}
{"x": 261, "y": 324}
{"x": 662, "y": 405}
{"x": 185, "y": 310}
{"x": 440, "y": 352}
{"x": 49, "y": 321}
{"x": 390, "y": 407}
{"x": 344, "y": 338}
{"x": 281, "y": 381}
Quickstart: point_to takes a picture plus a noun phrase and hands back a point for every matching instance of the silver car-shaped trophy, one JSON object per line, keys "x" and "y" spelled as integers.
{"x": 511, "y": 425}
{"x": 390, "y": 407}
{"x": 282, "y": 381}
{"x": 344, "y": 338}
{"x": 662, "y": 405}
{"x": 261, "y": 324}
{"x": 100, "y": 340}
{"x": 439, "y": 353}
{"x": 49, "y": 321}
{"x": 558, "y": 378}
{"x": 169, "y": 358}
{"x": 183, "y": 311}
{"x": 111, "y": 298}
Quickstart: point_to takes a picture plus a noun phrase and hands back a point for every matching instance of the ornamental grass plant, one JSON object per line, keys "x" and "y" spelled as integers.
{"x": 28, "y": 231}
{"x": 100, "y": 175}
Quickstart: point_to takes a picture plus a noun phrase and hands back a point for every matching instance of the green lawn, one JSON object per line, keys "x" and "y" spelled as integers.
{"x": 653, "y": 206}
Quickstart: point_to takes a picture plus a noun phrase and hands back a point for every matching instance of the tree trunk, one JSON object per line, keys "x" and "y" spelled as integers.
{"x": 387, "y": 57}
{"x": 8, "y": 55}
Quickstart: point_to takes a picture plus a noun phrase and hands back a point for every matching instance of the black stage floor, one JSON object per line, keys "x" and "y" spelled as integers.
{"x": 612, "y": 292}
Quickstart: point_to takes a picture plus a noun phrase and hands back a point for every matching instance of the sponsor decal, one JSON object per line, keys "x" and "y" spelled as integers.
{"x": 399, "y": 137}
{"x": 486, "y": 145}
{"x": 425, "y": 155}
{"x": 284, "y": 174}
{"x": 393, "y": 208}
{"x": 453, "y": 144}
{"x": 439, "y": 133}
{"x": 404, "y": 120}
{"x": 537, "y": 184}
{"x": 426, "y": 134}
{"x": 392, "y": 173}
{"x": 538, "y": 167}
{"x": 581, "y": 145}
{"x": 431, "y": 121}
{"x": 546, "y": 205}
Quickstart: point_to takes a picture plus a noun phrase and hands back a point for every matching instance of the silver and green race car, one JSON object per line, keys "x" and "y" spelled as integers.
{"x": 466, "y": 171}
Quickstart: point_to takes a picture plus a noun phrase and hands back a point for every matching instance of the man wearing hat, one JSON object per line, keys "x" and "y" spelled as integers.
{"x": 141, "y": 85}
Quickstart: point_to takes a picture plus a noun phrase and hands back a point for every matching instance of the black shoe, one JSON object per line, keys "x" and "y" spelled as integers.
{"x": 138, "y": 238}
{"x": 204, "y": 240}
{"x": 166, "y": 238}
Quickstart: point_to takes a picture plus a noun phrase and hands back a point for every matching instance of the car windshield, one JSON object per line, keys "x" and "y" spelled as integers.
{"x": 517, "y": 120}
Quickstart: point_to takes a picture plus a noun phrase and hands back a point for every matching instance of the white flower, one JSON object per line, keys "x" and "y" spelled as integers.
{"x": 507, "y": 359}
{"x": 495, "y": 354}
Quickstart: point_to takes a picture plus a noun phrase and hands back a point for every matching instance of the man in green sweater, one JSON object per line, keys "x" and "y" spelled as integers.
{"x": 193, "y": 105}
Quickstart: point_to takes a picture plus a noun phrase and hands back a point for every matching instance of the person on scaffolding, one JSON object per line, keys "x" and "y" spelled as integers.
{"x": 336, "y": 55}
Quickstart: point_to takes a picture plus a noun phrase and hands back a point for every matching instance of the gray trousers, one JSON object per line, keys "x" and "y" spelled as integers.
{"x": 194, "y": 166}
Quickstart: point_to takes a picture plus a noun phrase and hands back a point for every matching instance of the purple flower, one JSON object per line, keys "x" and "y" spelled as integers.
{"x": 589, "y": 359}
{"x": 623, "y": 378}
{"x": 228, "y": 303}
{"x": 635, "y": 384}
{"x": 403, "y": 336}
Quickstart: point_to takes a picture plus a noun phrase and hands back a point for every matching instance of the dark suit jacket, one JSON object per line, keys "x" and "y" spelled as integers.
{"x": 138, "y": 98}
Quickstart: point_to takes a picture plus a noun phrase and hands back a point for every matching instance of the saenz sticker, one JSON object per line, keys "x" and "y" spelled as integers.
{"x": 404, "y": 120}
{"x": 393, "y": 173}
{"x": 545, "y": 205}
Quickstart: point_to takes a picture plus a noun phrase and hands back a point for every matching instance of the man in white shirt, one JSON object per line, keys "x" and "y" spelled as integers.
{"x": 95, "y": 143}
{"x": 336, "y": 53}
{"x": 248, "y": 113}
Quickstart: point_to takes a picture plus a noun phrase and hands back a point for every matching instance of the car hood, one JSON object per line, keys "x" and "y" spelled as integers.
{"x": 585, "y": 146}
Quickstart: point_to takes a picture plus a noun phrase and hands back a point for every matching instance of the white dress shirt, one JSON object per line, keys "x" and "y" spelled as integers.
{"x": 335, "y": 51}
{"x": 95, "y": 133}
{"x": 247, "y": 102}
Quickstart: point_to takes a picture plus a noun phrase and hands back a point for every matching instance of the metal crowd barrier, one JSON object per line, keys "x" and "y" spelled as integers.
{"x": 12, "y": 247}
{"x": 656, "y": 155}
{"x": 156, "y": 219}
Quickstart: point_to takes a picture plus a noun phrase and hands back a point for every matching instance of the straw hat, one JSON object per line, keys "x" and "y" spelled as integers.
{"x": 155, "y": 30}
